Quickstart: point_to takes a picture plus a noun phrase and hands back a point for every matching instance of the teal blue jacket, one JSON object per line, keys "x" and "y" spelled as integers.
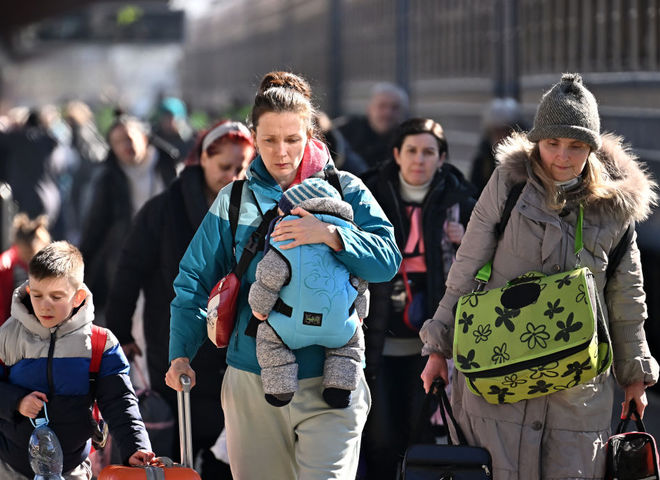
{"x": 369, "y": 252}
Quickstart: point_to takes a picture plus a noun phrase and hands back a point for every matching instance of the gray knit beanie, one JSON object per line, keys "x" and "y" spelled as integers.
{"x": 309, "y": 188}
{"x": 568, "y": 110}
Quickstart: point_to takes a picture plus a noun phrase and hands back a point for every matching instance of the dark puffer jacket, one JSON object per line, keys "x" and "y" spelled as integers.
{"x": 448, "y": 187}
{"x": 107, "y": 221}
{"x": 149, "y": 261}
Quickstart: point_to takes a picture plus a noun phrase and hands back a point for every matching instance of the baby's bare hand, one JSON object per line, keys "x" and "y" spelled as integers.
{"x": 259, "y": 316}
{"x": 30, "y": 405}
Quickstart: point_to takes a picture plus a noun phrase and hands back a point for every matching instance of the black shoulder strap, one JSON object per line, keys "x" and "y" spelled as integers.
{"x": 617, "y": 252}
{"x": 511, "y": 201}
{"x": 235, "y": 205}
{"x": 333, "y": 179}
{"x": 438, "y": 390}
{"x": 254, "y": 242}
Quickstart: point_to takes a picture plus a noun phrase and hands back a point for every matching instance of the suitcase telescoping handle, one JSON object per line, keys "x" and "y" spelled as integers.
{"x": 185, "y": 428}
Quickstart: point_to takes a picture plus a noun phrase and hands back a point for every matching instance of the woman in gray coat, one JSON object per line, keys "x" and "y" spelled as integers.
{"x": 565, "y": 162}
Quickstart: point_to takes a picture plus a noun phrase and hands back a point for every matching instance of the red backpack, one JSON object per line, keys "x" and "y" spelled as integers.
{"x": 100, "y": 432}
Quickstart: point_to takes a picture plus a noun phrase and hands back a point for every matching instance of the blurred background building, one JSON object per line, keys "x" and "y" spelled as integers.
{"x": 453, "y": 57}
{"x": 99, "y": 52}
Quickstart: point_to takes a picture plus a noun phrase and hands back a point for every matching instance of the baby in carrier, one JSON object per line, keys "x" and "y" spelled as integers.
{"x": 306, "y": 296}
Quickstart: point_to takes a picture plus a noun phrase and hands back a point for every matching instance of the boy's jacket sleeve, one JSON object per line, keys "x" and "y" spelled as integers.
{"x": 10, "y": 396}
{"x": 118, "y": 402}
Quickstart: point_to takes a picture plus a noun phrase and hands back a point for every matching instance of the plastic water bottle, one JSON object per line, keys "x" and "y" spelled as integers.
{"x": 45, "y": 451}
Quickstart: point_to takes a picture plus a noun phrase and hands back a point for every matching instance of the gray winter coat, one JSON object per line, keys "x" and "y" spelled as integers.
{"x": 562, "y": 435}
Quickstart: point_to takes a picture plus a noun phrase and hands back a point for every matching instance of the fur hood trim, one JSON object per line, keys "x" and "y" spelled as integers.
{"x": 635, "y": 190}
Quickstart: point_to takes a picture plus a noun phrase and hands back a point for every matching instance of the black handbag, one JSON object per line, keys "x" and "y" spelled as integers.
{"x": 446, "y": 462}
{"x": 632, "y": 455}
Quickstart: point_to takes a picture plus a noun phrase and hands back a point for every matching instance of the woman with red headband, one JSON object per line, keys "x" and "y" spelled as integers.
{"x": 149, "y": 262}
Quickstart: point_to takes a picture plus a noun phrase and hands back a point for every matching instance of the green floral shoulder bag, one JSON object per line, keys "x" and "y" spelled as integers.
{"x": 537, "y": 334}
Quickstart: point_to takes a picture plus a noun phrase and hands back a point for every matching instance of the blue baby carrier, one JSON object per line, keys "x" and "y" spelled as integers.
{"x": 316, "y": 304}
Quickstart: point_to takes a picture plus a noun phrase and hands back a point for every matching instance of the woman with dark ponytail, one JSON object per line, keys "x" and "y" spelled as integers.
{"x": 305, "y": 438}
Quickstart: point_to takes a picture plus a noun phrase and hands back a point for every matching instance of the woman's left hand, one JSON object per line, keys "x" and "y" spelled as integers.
{"x": 306, "y": 230}
{"x": 637, "y": 392}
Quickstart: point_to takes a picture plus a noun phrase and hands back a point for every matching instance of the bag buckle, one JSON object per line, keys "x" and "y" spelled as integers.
{"x": 252, "y": 244}
{"x": 578, "y": 260}
{"x": 481, "y": 284}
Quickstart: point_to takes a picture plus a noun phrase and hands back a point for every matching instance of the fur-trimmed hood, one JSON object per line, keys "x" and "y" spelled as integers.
{"x": 636, "y": 192}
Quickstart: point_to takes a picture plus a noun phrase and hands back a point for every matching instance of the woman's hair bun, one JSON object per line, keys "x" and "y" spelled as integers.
{"x": 285, "y": 80}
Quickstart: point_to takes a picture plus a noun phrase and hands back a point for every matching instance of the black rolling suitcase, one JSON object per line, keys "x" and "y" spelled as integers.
{"x": 446, "y": 462}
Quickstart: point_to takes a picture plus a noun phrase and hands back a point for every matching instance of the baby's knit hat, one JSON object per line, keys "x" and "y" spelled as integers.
{"x": 568, "y": 110}
{"x": 311, "y": 187}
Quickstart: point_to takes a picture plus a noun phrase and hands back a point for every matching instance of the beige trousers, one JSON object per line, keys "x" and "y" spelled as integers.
{"x": 304, "y": 440}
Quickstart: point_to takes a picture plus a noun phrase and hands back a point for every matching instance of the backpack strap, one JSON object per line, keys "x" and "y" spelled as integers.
{"x": 254, "y": 242}
{"x": 617, "y": 252}
{"x": 235, "y": 205}
{"x": 100, "y": 429}
{"x": 483, "y": 275}
{"x": 332, "y": 178}
{"x": 99, "y": 338}
{"x": 511, "y": 200}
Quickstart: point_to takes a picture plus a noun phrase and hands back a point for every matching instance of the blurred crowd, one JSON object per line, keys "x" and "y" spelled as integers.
{"x": 131, "y": 195}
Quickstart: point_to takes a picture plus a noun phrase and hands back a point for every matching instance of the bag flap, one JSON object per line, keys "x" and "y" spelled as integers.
{"x": 221, "y": 310}
{"x": 531, "y": 317}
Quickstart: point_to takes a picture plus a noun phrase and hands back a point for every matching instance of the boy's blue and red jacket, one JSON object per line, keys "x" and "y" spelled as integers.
{"x": 369, "y": 252}
{"x": 64, "y": 376}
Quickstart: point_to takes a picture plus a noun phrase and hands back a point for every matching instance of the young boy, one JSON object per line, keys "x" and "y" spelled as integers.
{"x": 45, "y": 353}
{"x": 309, "y": 298}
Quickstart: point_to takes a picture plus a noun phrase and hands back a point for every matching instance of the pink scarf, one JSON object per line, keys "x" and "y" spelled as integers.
{"x": 316, "y": 157}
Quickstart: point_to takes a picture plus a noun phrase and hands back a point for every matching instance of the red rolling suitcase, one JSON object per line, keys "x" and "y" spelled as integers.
{"x": 163, "y": 468}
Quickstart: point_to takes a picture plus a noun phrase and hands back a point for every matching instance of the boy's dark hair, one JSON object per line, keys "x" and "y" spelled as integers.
{"x": 58, "y": 260}
{"x": 415, "y": 126}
